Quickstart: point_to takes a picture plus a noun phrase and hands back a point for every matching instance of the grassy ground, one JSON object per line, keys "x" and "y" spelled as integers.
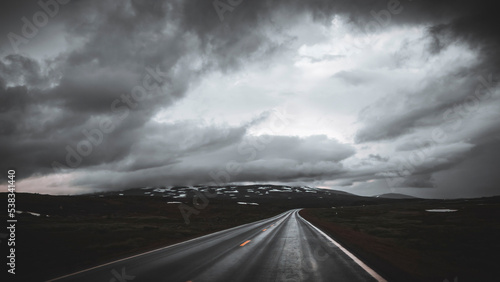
{"x": 405, "y": 243}
{"x": 401, "y": 241}
{"x": 85, "y": 231}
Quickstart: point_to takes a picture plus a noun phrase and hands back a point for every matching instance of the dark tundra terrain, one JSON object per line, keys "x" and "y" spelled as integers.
{"x": 57, "y": 235}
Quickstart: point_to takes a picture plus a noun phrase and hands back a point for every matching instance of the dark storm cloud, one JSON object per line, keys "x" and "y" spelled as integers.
{"x": 118, "y": 53}
{"x": 50, "y": 105}
{"x": 19, "y": 70}
{"x": 356, "y": 78}
{"x": 418, "y": 181}
{"x": 450, "y": 22}
{"x": 218, "y": 156}
{"x": 477, "y": 174}
{"x": 435, "y": 104}
{"x": 378, "y": 158}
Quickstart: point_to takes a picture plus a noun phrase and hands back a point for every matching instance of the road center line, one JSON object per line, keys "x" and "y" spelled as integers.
{"x": 246, "y": 242}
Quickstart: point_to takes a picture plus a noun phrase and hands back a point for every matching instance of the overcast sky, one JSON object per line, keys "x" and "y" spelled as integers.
{"x": 364, "y": 96}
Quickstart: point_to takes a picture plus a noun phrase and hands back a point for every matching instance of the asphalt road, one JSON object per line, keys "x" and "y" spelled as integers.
{"x": 282, "y": 248}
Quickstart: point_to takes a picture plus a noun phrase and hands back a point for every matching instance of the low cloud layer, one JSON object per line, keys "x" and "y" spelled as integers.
{"x": 367, "y": 96}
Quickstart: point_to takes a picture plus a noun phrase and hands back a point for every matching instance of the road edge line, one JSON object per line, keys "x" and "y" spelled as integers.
{"x": 363, "y": 265}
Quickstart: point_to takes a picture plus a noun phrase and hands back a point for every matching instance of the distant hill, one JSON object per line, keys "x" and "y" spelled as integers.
{"x": 258, "y": 194}
{"x": 395, "y": 196}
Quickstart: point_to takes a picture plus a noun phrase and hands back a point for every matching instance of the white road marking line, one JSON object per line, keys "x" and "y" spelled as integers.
{"x": 353, "y": 257}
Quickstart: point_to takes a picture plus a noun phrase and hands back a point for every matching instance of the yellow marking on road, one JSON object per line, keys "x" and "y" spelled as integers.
{"x": 246, "y": 242}
{"x": 264, "y": 229}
